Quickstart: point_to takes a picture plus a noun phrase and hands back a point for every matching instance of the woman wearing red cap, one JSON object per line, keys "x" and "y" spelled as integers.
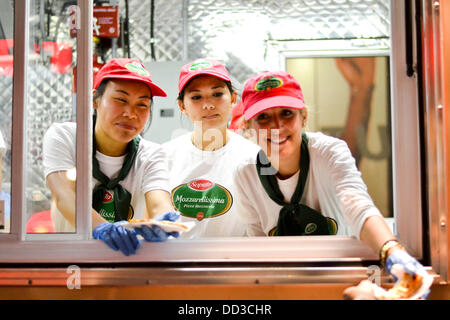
{"x": 129, "y": 173}
{"x": 304, "y": 183}
{"x": 202, "y": 162}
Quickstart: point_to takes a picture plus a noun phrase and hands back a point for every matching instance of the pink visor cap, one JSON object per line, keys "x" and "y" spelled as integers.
{"x": 199, "y": 67}
{"x": 271, "y": 89}
{"x": 128, "y": 69}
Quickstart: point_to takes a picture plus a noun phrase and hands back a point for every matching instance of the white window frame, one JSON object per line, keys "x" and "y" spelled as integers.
{"x": 19, "y": 247}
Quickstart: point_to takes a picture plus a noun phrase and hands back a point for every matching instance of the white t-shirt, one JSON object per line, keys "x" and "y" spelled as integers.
{"x": 148, "y": 173}
{"x": 334, "y": 187}
{"x": 202, "y": 184}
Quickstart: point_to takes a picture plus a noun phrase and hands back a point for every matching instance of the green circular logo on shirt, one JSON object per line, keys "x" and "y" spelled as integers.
{"x": 201, "y": 199}
{"x": 268, "y": 84}
{"x": 200, "y": 65}
{"x": 136, "y": 68}
{"x": 310, "y": 228}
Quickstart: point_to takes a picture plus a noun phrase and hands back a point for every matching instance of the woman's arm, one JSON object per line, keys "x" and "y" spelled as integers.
{"x": 58, "y": 156}
{"x": 158, "y": 202}
{"x": 339, "y": 177}
{"x": 63, "y": 193}
{"x": 351, "y": 192}
{"x": 375, "y": 233}
{"x": 160, "y": 208}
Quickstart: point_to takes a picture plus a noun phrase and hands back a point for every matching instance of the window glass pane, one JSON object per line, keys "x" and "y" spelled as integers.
{"x": 50, "y": 100}
{"x": 348, "y": 98}
{"x": 6, "y": 85}
{"x": 247, "y": 37}
{"x": 251, "y": 37}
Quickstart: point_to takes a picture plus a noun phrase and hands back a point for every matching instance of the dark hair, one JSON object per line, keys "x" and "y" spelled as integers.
{"x": 101, "y": 90}
{"x": 181, "y": 95}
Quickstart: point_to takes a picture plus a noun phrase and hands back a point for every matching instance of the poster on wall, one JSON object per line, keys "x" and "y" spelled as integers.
{"x": 348, "y": 98}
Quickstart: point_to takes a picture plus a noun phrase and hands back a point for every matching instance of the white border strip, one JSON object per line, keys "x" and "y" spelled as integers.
{"x": 21, "y": 18}
{"x": 84, "y": 120}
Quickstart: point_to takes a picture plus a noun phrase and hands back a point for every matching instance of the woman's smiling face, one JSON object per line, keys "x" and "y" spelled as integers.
{"x": 279, "y": 130}
{"x": 208, "y": 101}
{"x": 122, "y": 110}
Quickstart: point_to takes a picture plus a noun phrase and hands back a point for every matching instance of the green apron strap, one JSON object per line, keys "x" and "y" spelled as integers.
{"x": 294, "y": 218}
{"x": 121, "y": 196}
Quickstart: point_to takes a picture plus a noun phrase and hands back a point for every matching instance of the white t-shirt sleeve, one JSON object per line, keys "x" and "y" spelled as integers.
{"x": 245, "y": 209}
{"x": 59, "y": 148}
{"x": 156, "y": 172}
{"x": 351, "y": 192}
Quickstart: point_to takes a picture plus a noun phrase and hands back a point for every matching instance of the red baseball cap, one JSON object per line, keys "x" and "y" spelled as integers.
{"x": 271, "y": 89}
{"x": 203, "y": 66}
{"x": 130, "y": 69}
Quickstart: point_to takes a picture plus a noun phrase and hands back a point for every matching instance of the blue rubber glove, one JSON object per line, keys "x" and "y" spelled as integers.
{"x": 117, "y": 237}
{"x": 410, "y": 265}
{"x": 155, "y": 233}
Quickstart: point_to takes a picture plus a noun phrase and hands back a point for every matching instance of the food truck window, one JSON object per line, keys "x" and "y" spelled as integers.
{"x": 248, "y": 38}
{"x": 51, "y": 99}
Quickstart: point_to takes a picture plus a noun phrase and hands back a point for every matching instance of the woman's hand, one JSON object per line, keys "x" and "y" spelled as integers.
{"x": 155, "y": 233}
{"x": 401, "y": 257}
{"x": 410, "y": 265}
{"x": 117, "y": 237}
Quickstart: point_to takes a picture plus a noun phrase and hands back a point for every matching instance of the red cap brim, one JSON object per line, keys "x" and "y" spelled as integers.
{"x": 273, "y": 102}
{"x": 188, "y": 77}
{"x": 156, "y": 91}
